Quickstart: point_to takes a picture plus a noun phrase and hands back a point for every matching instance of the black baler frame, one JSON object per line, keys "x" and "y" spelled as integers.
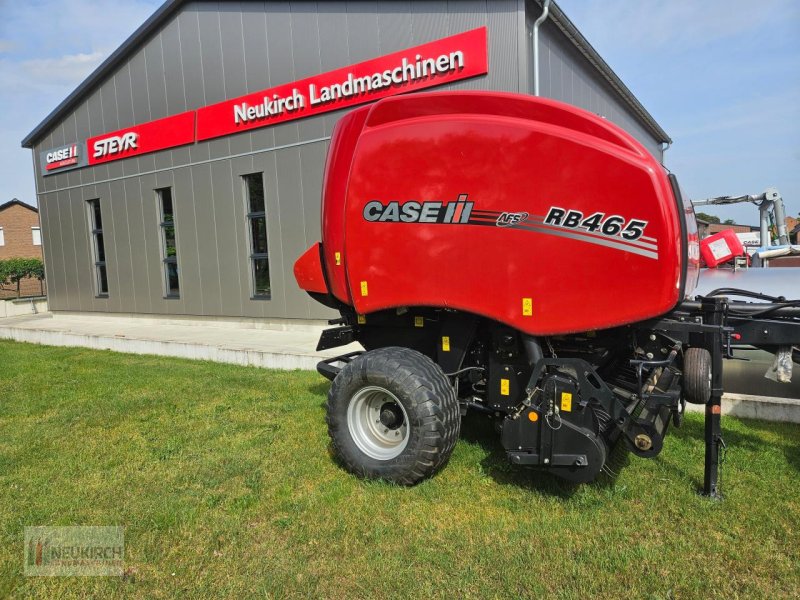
{"x": 703, "y": 323}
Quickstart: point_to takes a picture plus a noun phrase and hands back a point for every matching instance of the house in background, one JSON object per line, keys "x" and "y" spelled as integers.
{"x": 20, "y": 237}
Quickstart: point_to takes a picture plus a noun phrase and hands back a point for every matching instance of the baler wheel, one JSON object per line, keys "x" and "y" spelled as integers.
{"x": 697, "y": 375}
{"x": 392, "y": 414}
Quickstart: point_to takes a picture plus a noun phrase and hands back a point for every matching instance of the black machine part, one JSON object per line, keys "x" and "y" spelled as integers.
{"x": 557, "y": 432}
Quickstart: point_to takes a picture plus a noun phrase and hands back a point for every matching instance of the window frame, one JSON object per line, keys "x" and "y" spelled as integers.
{"x": 95, "y": 246}
{"x": 33, "y": 235}
{"x": 253, "y": 256}
{"x": 166, "y": 261}
{"x": 2, "y": 237}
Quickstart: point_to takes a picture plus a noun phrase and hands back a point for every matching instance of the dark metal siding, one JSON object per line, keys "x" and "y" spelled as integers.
{"x": 211, "y": 51}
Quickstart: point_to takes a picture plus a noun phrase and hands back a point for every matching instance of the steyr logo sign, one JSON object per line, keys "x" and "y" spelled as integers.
{"x": 176, "y": 130}
{"x": 115, "y": 144}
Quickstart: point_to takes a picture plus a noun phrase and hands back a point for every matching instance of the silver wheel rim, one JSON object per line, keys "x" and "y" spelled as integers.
{"x": 373, "y": 436}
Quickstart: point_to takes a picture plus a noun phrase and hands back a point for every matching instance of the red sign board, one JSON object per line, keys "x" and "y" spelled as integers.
{"x": 449, "y": 59}
{"x": 169, "y": 132}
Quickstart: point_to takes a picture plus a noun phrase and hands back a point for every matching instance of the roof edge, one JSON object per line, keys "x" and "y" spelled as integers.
{"x": 106, "y": 67}
{"x": 18, "y": 202}
{"x": 569, "y": 29}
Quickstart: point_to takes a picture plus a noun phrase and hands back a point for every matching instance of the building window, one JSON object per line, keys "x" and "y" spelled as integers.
{"x": 257, "y": 231}
{"x": 169, "y": 249}
{"x": 36, "y": 233}
{"x": 98, "y": 247}
{"x": 2, "y": 237}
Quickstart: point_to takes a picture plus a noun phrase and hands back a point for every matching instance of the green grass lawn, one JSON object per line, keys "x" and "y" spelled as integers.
{"x": 222, "y": 479}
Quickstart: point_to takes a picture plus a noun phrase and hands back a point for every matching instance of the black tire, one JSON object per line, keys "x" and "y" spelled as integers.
{"x": 697, "y": 375}
{"x": 428, "y": 402}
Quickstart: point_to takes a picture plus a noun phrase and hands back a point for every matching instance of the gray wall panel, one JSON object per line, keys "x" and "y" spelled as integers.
{"x": 232, "y": 42}
{"x": 121, "y": 260}
{"x": 50, "y": 244}
{"x": 173, "y": 68}
{"x": 156, "y": 85}
{"x": 208, "y": 251}
{"x": 108, "y": 101}
{"x": 191, "y": 59}
{"x": 136, "y": 242}
{"x": 225, "y": 228}
{"x": 307, "y": 59}
{"x": 394, "y": 26}
{"x": 254, "y": 37}
{"x": 124, "y": 94}
{"x": 139, "y": 87}
{"x": 70, "y": 232}
{"x": 281, "y": 60}
{"x": 211, "y": 52}
{"x": 362, "y": 30}
{"x": 290, "y": 239}
{"x": 188, "y": 243}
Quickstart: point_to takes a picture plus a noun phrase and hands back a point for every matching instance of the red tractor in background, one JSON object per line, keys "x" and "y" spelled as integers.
{"x": 522, "y": 258}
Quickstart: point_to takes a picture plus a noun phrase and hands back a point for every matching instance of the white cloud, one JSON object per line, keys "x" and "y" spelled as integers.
{"x": 69, "y": 69}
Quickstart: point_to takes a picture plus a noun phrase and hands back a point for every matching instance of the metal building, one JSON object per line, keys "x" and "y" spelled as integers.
{"x": 183, "y": 176}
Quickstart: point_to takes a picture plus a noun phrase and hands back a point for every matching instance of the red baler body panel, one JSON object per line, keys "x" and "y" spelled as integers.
{"x": 565, "y": 222}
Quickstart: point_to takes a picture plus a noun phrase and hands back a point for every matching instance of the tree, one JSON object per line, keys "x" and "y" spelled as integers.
{"x": 729, "y": 222}
{"x": 14, "y": 270}
{"x": 707, "y": 218}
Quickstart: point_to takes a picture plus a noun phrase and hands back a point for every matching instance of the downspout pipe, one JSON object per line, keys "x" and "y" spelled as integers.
{"x": 539, "y": 21}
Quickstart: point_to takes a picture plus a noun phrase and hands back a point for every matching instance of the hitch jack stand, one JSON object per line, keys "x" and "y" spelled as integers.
{"x": 714, "y": 312}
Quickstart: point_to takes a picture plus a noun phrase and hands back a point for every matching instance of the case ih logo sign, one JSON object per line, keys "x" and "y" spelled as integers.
{"x": 436, "y": 63}
{"x": 63, "y": 157}
{"x": 141, "y": 139}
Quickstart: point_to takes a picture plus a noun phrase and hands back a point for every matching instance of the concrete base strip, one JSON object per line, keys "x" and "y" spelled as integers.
{"x": 272, "y": 349}
{"x": 786, "y": 410}
{"x": 254, "y": 358}
{"x": 235, "y": 343}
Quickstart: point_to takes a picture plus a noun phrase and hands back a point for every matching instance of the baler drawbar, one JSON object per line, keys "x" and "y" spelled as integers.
{"x": 525, "y": 259}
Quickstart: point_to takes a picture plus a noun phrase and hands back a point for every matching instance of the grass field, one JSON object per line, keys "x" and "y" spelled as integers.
{"x": 222, "y": 478}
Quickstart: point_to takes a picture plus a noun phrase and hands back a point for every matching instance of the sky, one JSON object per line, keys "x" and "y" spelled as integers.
{"x": 722, "y": 77}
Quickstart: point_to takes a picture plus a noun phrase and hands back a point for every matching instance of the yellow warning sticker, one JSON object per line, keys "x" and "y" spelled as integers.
{"x": 446, "y": 343}
{"x": 364, "y": 289}
{"x": 504, "y": 387}
{"x": 338, "y": 257}
{"x": 527, "y": 307}
{"x": 362, "y": 319}
{"x": 566, "y": 401}
{"x": 419, "y": 322}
